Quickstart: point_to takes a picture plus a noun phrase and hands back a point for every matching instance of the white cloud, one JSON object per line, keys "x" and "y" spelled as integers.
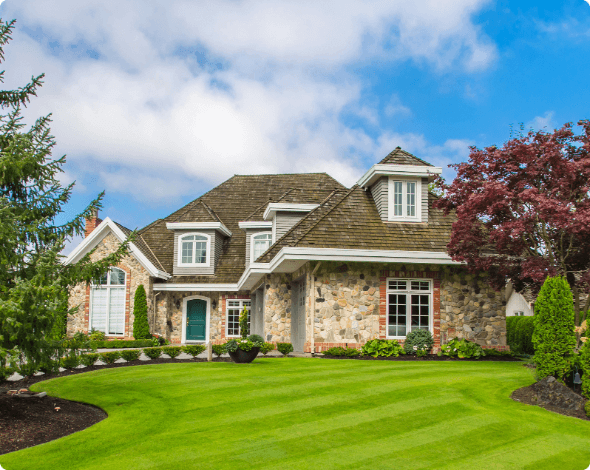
{"x": 146, "y": 113}
{"x": 542, "y": 123}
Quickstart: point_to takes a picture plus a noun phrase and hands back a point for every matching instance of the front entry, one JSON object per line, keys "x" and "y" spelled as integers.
{"x": 196, "y": 320}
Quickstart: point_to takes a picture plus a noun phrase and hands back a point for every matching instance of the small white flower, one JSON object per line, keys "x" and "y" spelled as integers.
{"x": 415, "y": 348}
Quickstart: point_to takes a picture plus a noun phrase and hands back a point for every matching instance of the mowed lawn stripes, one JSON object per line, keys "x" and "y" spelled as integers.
{"x": 310, "y": 413}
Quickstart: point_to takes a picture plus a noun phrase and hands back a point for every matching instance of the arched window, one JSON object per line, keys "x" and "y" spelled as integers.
{"x": 260, "y": 243}
{"x": 193, "y": 250}
{"x": 107, "y": 303}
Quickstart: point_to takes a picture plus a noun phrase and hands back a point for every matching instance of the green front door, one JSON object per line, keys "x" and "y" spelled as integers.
{"x": 196, "y": 320}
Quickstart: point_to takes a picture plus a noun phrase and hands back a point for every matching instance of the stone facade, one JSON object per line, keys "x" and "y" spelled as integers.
{"x": 136, "y": 275}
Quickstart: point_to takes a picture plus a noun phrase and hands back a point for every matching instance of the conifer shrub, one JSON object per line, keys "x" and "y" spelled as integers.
{"x": 152, "y": 353}
{"x": 218, "y": 349}
{"x": 71, "y": 361}
{"x": 418, "y": 342}
{"x": 141, "y": 329}
{"x": 110, "y": 357}
{"x": 266, "y": 348}
{"x": 554, "y": 338}
{"x": 285, "y": 348}
{"x": 193, "y": 349}
{"x": 88, "y": 360}
{"x": 519, "y": 334}
{"x": 584, "y": 358}
{"x": 131, "y": 354}
{"x": 172, "y": 351}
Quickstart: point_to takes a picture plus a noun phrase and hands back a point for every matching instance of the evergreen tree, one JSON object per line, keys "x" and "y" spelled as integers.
{"x": 34, "y": 283}
{"x": 585, "y": 363}
{"x": 141, "y": 329}
{"x": 554, "y": 336}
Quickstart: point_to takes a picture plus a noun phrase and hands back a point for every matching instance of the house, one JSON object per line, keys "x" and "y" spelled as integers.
{"x": 519, "y": 304}
{"x": 316, "y": 264}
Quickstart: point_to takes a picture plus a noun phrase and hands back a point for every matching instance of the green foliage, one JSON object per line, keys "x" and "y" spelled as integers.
{"x": 336, "y": 351}
{"x": 141, "y": 329}
{"x": 5, "y": 372}
{"x": 284, "y": 348}
{"x": 519, "y": 334}
{"x": 88, "y": 360}
{"x": 266, "y": 348}
{"x": 554, "y": 338}
{"x": 120, "y": 344}
{"x": 71, "y": 361}
{"x": 172, "y": 351}
{"x": 495, "y": 352}
{"x": 584, "y": 364}
{"x": 218, "y": 349}
{"x": 110, "y": 357}
{"x": 382, "y": 347}
{"x": 244, "y": 327}
{"x": 419, "y": 342}
{"x": 587, "y": 408}
{"x": 152, "y": 353}
{"x": 49, "y": 366}
{"x": 131, "y": 354}
{"x": 193, "y": 349}
{"x": 462, "y": 349}
{"x": 256, "y": 339}
{"x": 96, "y": 335}
{"x": 244, "y": 344}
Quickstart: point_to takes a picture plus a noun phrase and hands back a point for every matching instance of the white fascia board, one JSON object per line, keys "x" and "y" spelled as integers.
{"x": 196, "y": 287}
{"x": 98, "y": 234}
{"x": 376, "y": 171}
{"x": 199, "y": 225}
{"x": 275, "y": 207}
{"x": 255, "y": 224}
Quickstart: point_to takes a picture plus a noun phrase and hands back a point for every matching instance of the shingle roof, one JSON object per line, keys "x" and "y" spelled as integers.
{"x": 401, "y": 157}
{"x": 142, "y": 246}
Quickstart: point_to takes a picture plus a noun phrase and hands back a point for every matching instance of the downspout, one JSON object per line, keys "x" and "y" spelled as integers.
{"x": 312, "y": 283}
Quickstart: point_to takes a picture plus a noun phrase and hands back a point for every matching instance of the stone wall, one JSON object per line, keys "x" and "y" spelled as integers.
{"x": 136, "y": 275}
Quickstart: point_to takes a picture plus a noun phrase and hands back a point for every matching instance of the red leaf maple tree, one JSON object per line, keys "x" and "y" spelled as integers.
{"x": 523, "y": 211}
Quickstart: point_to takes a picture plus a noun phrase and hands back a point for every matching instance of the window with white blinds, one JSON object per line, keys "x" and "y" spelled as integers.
{"x": 107, "y": 303}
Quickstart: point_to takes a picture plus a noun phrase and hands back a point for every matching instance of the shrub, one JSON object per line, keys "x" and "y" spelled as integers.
{"x": 88, "y": 360}
{"x": 495, "y": 352}
{"x": 266, "y": 348}
{"x": 462, "y": 349}
{"x": 5, "y": 372}
{"x": 71, "y": 361}
{"x": 244, "y": 344}
{"x": 554, "y": 338}
{"x": 587, "y": 408}
{"x": 244, "y": 327}
{"x": 193, "y": 349}
{"x": 382, "y": 347}
{"x": 285, "y": 348}
{"x": 96, "y": 335}
{"x": 511, "y": 323}
{"x": 519, "y": 334}
{"x": 121, "y": 344}
{"x": 141, "y": 329}
{"x": 49, "y": 366}
{"x": 172, "y": 351}
{"x": 152, "y": 353}
{"x": 256, "y": 339}
{"x": 218, "y": 349}
{"x": 26, "y": 369}
{"x": 131, "y": 354}
{"x": 584, "y": 362}
{"x": 110, "y": 357}
{"x": 418, "y": 342}
{"x": 336, "y": 351}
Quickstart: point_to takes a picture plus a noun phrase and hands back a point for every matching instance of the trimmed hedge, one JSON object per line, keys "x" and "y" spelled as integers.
{"x": 120, "y": 344}
{"x": 193, "y": 349}
{"x": 131, "y": 354}
{"x": 337, "y": 351}
{"x": 88, "y": 360}
{"x": 152, "y": 353}
{"x": 110, "y": 357}
{"x": 172, "y": 351}
{"x": 266, "y": 348}
{"x": 519, "y": 334}
{"x": 218, "y": 349}
{"x": 285, "y": 348}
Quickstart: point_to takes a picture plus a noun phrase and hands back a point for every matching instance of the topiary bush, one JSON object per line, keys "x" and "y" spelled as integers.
{"x": 285, "y": 348}
{"x": 141, "y": 329}
{"x": 193, "y": 349}
{"x": 172, "y": 351}
{"x": 462, "y": 349}
{"x": 88, "y": 360}
{"x": 218, "y": 349}
{"x": 418, "y": 342}
{"x": 256, "y": 338}
{"x": 131, "y": 354}
{"x": 71, "y": 361}
{"x": 554, "y": 338}
{"x": 346, "y": 352}
{"x": 152, "y": 353}
{"x": 266, "y": 348}
{"x": 382, "y": 347}
{"x": 110, "y": 357}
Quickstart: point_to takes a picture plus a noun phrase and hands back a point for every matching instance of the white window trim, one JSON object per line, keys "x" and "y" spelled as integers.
{"x": 408, "y": 291}
{"x": 108, "y": 288}
{"x": 207, "y": 263}
{"x": 390, "y": 200}
{"x": 241, "y": 307}
{"x": 252, "y": 243}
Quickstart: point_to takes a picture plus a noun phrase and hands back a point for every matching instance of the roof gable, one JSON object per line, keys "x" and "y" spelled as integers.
{"x": 400, "y": 157}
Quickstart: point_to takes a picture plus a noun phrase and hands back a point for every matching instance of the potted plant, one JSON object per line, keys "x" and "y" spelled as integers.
{"x": 246, "y": 348}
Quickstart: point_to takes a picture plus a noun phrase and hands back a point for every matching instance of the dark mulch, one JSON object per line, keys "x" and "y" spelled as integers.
{"x": 429, "y": 357}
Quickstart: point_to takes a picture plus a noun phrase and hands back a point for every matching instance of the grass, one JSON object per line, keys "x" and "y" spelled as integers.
{"x": 297, "y": 413}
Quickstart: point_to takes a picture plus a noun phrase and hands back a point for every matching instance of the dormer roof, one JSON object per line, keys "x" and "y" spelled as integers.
{"x": 398, "y": 156}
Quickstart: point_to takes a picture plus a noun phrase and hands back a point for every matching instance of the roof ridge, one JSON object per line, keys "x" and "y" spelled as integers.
{"x": 211, "y": 212}
{"x": 153, "y": 254}
{"x": 399, "y": 150}
{"x": 148, "y": 225}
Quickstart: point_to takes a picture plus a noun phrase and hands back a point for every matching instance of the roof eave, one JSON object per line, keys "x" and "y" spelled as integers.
{"x": 385, "y": 169}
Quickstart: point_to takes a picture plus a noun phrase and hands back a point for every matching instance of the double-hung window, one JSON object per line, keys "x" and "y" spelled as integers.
{"x": 234, "y": 308}
{"x": 404, "y": 200}
{"x": 409, "y": 306}
{"x": 260, "y": 243}
{"x": 193, "y": 250}
{"x": 108, "y": 303}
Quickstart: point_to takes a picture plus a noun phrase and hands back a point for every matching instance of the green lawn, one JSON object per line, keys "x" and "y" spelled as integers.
{"x": 310, "y": 413}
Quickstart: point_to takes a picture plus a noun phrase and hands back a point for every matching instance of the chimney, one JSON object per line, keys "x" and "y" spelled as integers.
{"x": 92, "y": 222}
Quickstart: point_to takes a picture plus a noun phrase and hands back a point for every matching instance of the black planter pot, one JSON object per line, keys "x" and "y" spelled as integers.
{"x": 243, "y": 357}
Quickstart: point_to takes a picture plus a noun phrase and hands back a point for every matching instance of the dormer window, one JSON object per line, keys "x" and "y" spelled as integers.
{"x": 194, "y": 250}
{"x": 404, "y": 200}
{"x": 260, "y": 243}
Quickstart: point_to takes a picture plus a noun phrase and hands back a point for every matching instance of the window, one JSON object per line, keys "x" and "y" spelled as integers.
{"x": 519, "y": 313}
{"x": 108, "y": 303}
{"x": 408, "y": 306}
{"x": 193, "y": 250}
{"x": 404, "y": 200}
{"x": 234, "y": 308}
{"x": 260, "y": 243}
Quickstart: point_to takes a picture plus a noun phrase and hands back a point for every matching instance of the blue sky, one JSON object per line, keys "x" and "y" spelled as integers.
{"x": 158, "y": 102}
